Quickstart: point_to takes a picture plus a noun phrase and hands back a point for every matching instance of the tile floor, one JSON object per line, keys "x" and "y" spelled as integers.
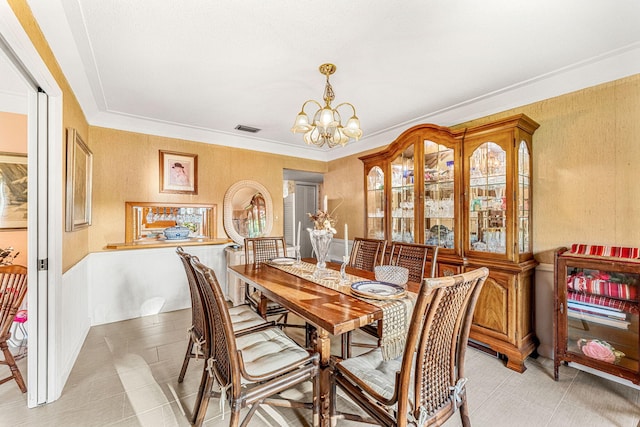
{"x": 126, "y": 375}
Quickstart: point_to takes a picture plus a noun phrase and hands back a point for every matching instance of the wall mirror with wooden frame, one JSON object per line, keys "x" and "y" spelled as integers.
{"x": 147, "y": 220}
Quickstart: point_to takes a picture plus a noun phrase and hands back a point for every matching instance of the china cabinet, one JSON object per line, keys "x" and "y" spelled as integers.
{"x": 497, "y": 230}
{"x": 412, "y": 189}
{"x": 597, "y": 310}
{"x": 468, "y": 191}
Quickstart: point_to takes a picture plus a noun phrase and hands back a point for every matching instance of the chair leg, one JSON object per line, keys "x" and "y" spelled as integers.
{"x": 202, "y": 400}
{"x": 464, "y": 414}
{"x": 332, "y": 403}
{"x": 15, "y": 372}
{"x": 310, "y": 335}
{"x": 346, "y": 345}
{"x": 316, "y": 398}
{"x": 235, "y": 417}
{"x": 187, "y": 357}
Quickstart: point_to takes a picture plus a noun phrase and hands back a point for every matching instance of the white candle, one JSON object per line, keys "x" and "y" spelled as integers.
{"x": 346, "y": 241}
{"x": 298, "y": 235}
{"x": 326, "y": 203}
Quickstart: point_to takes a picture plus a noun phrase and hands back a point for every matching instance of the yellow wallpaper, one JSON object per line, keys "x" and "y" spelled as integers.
{"x": 126, "y": 168}
{"x": 586, "y": 179}
{"x": 75, "y": 244}
{"x": 585, "y": 157}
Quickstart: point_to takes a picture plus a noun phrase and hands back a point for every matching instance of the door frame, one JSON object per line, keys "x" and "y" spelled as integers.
{"x": 45, "y": 227}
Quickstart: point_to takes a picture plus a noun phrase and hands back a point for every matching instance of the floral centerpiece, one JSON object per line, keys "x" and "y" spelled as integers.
{"x": 321, "y": 235}
{"x": 322, "y": 220}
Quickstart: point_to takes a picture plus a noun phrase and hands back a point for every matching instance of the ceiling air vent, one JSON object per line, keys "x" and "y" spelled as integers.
{"x": 244, "y": 128}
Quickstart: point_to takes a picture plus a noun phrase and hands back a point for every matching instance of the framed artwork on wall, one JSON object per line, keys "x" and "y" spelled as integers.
{"x": 79, "y": 171}
{"x": 178, "y": 172}
{"x": 13, "y": 191}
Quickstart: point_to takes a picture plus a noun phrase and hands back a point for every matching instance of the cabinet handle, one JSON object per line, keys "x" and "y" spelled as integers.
{"x": 561, "y": 308}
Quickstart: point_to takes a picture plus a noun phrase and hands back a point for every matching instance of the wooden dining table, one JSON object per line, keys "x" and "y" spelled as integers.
{"x": 331, "y": 312}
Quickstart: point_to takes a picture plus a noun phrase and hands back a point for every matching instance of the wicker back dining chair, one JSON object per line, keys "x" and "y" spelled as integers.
{"x": 367, "y": 253}
{"x": 250, "y": 368}
{"x": 411, "y": 256}
{"x": 13, "y": 288}
{"x": 427, "y": 384}
{"x": 414, "y": 257}
{"x": 258, "y": 250}
{"x": 242, "y": 317}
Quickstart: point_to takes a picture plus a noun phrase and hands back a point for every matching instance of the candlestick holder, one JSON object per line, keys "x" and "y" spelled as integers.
{"x": 343, "y": 273}
{"x": 298, "y": 261}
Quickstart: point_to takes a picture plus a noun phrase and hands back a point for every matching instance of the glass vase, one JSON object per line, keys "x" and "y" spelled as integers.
{"x": 321, "y": 242}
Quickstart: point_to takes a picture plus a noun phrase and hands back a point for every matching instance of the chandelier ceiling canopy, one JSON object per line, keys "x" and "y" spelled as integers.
{"x": 326, "y": 127}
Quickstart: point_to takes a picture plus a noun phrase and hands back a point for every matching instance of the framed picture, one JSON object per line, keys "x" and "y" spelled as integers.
{"x": 79, "y": 170}
{"x": 13, "y": 191}
{"x": 178, "y": 172}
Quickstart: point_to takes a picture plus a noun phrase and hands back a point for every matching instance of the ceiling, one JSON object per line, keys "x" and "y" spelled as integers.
{"x": 196, "y": 69}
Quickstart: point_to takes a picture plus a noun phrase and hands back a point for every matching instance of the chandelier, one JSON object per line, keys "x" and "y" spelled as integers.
{"x": 326, "y": 127}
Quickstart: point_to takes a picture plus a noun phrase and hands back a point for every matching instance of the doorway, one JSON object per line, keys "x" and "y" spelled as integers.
{"x": 27, "y": 81}
{"x": 301, "y": 197}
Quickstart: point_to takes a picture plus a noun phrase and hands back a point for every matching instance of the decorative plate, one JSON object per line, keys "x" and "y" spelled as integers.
{"x": 377, "y": 290}
{"x": 282, "y": 261}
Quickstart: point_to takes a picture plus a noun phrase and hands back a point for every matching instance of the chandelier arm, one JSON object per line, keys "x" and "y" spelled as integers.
{"x": 346, "y": 103}
{"x": 308, "y": 101}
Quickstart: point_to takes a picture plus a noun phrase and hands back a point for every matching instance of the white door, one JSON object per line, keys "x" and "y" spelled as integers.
{"x": 44, "y": 151}
{"x": 306, "y": 201}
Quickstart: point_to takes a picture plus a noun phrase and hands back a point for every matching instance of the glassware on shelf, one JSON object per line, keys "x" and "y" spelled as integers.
{"x": 375, "y": 203}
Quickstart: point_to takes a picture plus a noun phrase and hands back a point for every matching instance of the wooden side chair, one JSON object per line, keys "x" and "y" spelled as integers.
{"x": 367, "y": 253}
{"x": 427, "y": 384}
{"x": 242, "y": 316}
{"x": 13, "y": 288}
{"x": 258, "y": 250}
{"x": 412, "y": 256}
{"x": 250, "y": 368}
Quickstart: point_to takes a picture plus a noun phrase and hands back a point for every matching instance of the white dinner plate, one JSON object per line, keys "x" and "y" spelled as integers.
{"x": 282, "y": 261}
{"x": 378, "y": 290}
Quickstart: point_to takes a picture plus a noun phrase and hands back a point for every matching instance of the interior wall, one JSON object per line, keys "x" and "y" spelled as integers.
{"x": 75, "y": 244}
{"x": 126, "y": 169}
{"x": 13, "y": 128}
{"x": 344, "y": 185}
{"x": 586, "y": 178}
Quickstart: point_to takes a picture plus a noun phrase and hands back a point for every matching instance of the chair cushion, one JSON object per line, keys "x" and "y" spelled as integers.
{"x": 268, "y": 350}
{"x": 244, "y": 317}
{"x": 374, "y": 371}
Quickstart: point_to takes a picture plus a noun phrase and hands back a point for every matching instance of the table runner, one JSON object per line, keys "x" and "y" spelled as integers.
{"x": 396, "y": 313}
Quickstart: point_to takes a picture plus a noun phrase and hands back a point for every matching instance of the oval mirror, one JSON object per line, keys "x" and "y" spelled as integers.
{"x": 248, "y": 211}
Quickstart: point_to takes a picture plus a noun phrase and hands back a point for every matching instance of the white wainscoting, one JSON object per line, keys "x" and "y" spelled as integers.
{"x": 336, "y": 250}
{"x": 72, "y": 322}
{"x": 133, "y": 283}
{"x": 107, "y": 287}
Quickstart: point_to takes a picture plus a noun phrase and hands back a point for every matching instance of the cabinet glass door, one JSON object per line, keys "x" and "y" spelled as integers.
{"x": 524, "y": 197}
{"x": 439, "y": 212}
{"x": 402, "y": 197}
{"x": 487, "y": 199}
{"x": 602, "y": 315}
{"x": 375, "y": 203}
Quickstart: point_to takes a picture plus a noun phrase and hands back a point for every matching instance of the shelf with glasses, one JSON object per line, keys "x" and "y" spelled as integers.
{"x": 468, "y": 191}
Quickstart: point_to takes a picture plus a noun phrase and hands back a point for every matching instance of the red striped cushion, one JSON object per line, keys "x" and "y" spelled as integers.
{"x": 608, "y": 251}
